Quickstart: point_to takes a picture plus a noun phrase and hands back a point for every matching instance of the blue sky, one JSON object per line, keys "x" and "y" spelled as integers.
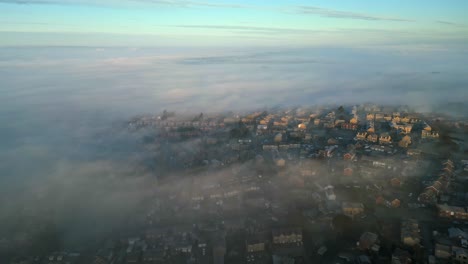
{"x": 231, "y": 22}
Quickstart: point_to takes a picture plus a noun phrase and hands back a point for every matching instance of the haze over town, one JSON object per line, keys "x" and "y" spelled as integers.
{"x": 136, "y": 131}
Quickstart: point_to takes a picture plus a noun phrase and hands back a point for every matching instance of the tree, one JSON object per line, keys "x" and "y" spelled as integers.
{"x": 342, "y": 225}
{"x": 164, "y": 115}
{"x": 241, "y": 131}
{"x": 341, "y": 112}
{"x": 47, "y": 240}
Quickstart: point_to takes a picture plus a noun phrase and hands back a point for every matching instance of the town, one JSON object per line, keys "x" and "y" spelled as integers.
{"x": 332, "y": 184}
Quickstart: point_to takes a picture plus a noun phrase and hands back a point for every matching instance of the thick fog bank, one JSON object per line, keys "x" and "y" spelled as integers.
{"x": 67, "y": 159}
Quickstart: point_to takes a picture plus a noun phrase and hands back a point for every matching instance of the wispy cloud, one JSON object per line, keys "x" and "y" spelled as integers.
{"x": 450, "y": 23}
{"x": 182, "y": 3}
{"x": 250, "y": 28}
{"x": 26, "y": 23}
{"x": 325, "y": 12}
{"x": 308, "y": 10}
{"x": 171, "y": 3}
{"x": 32, "y": 2}
{"x": 255, "y": 59}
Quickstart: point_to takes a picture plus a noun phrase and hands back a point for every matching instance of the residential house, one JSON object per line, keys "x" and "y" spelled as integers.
{"x": 415, "y": 120}
{"x": 96, "y": 260}
{"x": 396, "y": 119}
{"x": 363, "y": 259}
{"x": 256, "y": 249}
{"x": 387, "y": 117}
{"x": 385, "y": 138}
{"x": 349, "y": 126}
{"x": 405, "y": 119}
{"x": 339, "y": 122}
{"x": 431, "y": 193}
{"x": 429, "y": 134}
{"x": 270, "y": 147}
{"x": 454, "y": 212}
{"x": 379, "y": 116}
{"x": 457, "y": 233}
{"x": 302, "y": 126}
{"x": 200, "y": 252}
{"x": 377, "y": 162}
{"x": 329, "y": 193}
{"x": 380, "y": 200}
{"x": 403, "y": 128}
{"x": 372, "y": 138}
{"x": 255, "y": 245}
{"x": 352, "y": 209}
{"x": 280, "y": 162}
{"x": 369, "y": 172}
{"x": 370, "y": 128}
{"x": 410, "y": 233}
{"x": 460, "y": 255}
{"x": 349, "y": 156}
{"x": 396, "y": 203}
{"x": 368, "y": 240}
{"x": 287, "y": 242}
{"x": 262, "y": 127}
{"x": 283, "y": 147}
{"x": 426, "y": 127}
{"x": 442, "y": 251}
{"x": 361, "y": 135}
{"x": 285, "y": 236}
{"x": 395, "y": 182}
{"x": 401, "y": 256}
{"x": 330, "y": 150}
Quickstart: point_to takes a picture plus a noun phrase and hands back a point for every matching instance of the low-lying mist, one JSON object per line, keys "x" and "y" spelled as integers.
{"x": 68, "y": 161}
